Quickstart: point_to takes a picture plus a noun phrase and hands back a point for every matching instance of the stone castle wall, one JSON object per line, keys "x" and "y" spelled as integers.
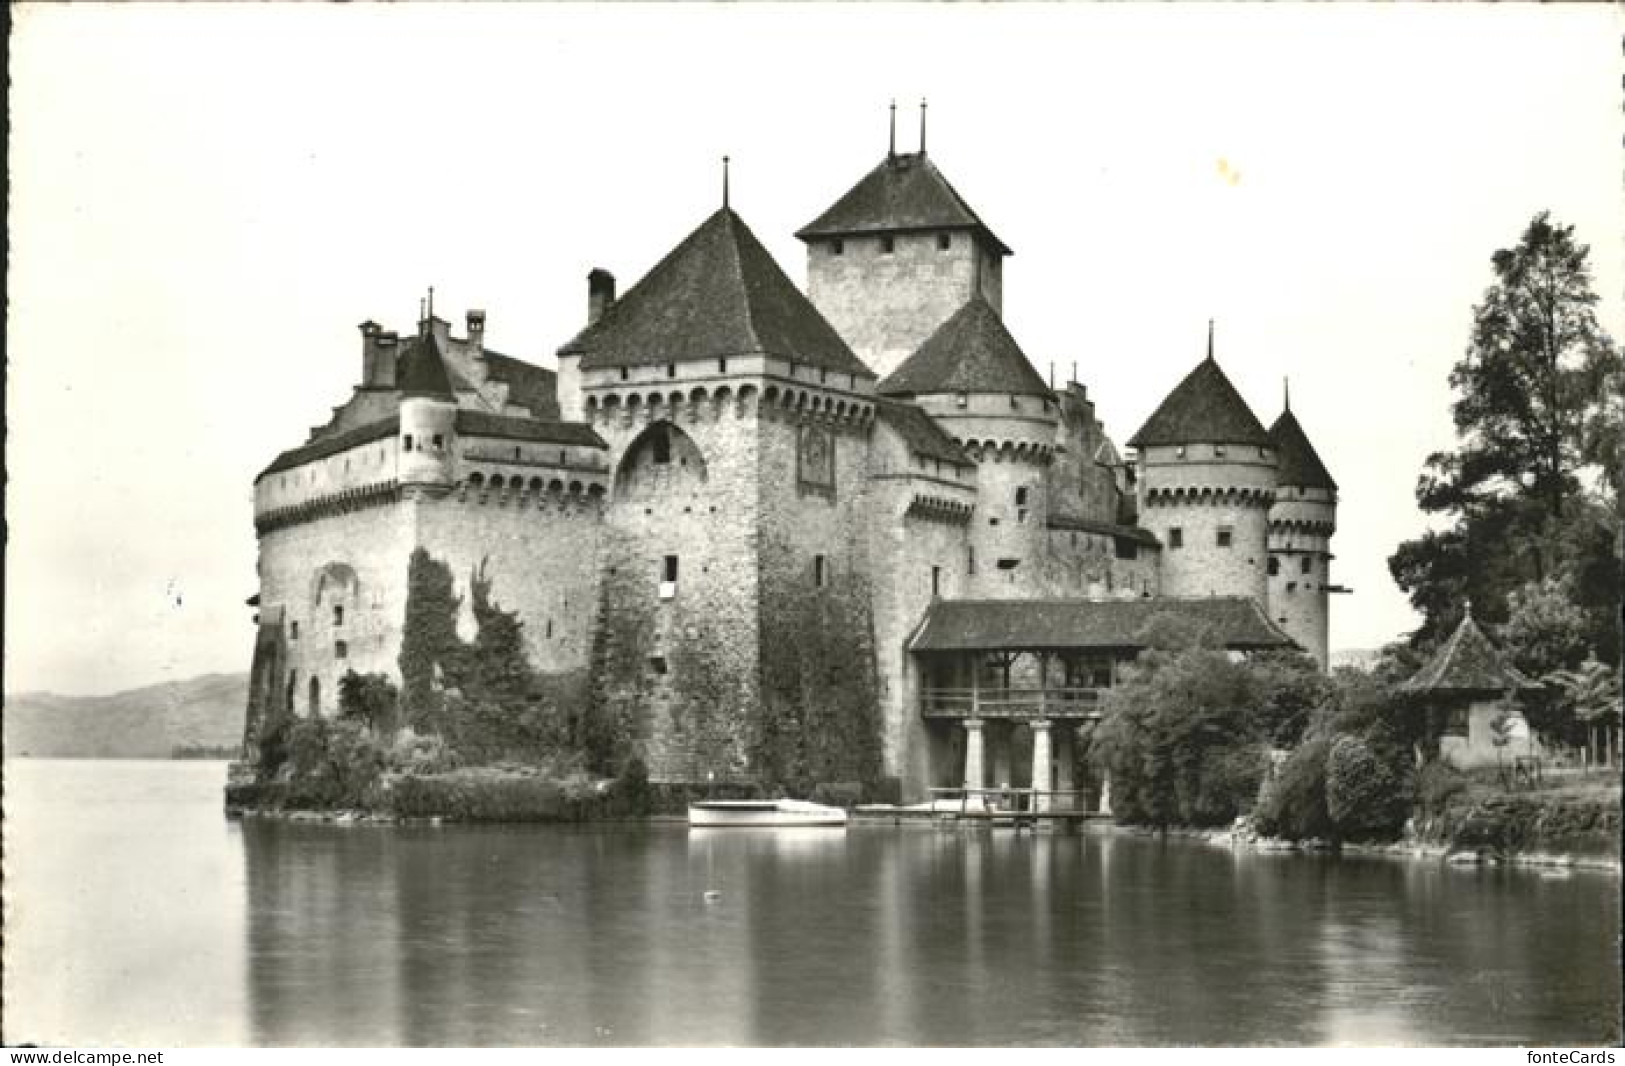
{"x": 885, "y": 304}
{"x": 678, "y": 666}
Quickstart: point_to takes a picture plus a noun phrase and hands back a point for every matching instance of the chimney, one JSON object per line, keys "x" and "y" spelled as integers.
{"x": 476, "y": 330}
{"x": 369, "y": 353}
{"x": 388, "y": 351}
{"x": 600, "y": 293}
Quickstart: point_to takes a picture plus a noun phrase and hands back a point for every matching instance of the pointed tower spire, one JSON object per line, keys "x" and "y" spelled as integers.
{"x": 724, "y": 182}
{"x": 891, "y": 143}
{"x": 922, "y": 125}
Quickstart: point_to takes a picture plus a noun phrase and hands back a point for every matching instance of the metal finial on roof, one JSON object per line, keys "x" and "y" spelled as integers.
{"x": 891, "y": 143}
{"x": 431, "y": 301}
{"x": 724, "y": 181}
{"x": 1210, "y": 338}
{"x": 1286, "y": 392}
{"x": 922, "y": 125}
{"x": 1467, "y": 610}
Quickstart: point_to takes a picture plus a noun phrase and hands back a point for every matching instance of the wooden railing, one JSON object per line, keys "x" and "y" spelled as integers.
{"x": 1010, "y": 703}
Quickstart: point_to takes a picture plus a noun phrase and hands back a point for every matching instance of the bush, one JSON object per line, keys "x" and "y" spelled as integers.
{"x": 415, "y": 754}
{"x": 846, "y": 794}
{"x": 1293, "y": 805}
{"x": 1437, "y": 784}
{"x": 332, "y": 764}
{"x": 1365, "y": 799}
{"x": 489, "y": 795}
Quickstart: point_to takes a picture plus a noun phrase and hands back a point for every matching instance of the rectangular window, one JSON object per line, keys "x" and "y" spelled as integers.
{"x": 837, "y": 247}
{"x": 1222, "y": 538}
{"x": 887, "y": 245}
{"x": 818, "y": 571}
{"x": 657, "y": 663}
{"x": 671, "y": 370}
{"x": 722, "y": 366}
{"x": 936, "y": 581}
{"x": 961, "y": 400}
{"x": 408, "y": 442}
{"x": 1274, "y": 566}
{"x": 295, "y": 633}
{"x": 970, "y": 560}
{"x": 338, "y": 614}
{"x": 670, "y": 569}
{"x": 340, "y": 649}
{"x": 945, "y": 241}
{"x": 625, "y": 373}
{"x": 1176, "y": 538}
{"x": 1308, "y": 564}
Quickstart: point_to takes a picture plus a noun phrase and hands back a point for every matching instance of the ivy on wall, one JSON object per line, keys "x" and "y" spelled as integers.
{"x": 820, "y": 716}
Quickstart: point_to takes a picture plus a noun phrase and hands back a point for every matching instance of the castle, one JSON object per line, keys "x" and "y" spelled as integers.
{"x": 843, "y": 534}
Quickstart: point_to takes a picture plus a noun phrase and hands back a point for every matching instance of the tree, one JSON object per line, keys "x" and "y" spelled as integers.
{"x": 1592, "y": 693}
{"x": 1538, "y": 443}
{"x": 368, "y": 699}
{"x": 429, "y": 642}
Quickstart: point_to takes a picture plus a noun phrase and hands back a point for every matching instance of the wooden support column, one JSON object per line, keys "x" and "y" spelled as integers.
{"x": 1043, "y": 779}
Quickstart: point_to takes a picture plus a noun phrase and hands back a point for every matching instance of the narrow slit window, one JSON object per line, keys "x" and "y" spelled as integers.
{"x": 820, "y": 571}
{"x": 936, "y": 581}
{"x": 407, "y": 443}
{"x": 670, "y": 569}
{"x": 338, "y": 614}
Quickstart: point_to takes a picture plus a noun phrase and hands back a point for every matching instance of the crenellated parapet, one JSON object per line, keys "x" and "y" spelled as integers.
{"x": 940, "y": 509}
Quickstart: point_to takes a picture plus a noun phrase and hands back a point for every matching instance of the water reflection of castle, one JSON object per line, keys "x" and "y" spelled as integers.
{"x": 747, "y": 512}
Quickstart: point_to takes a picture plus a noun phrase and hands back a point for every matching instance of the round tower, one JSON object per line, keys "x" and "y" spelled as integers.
{"x": 428, "y": 415}
{"x": 974, "y": 380}
{"x": 1301, "y": 523}
{"x": 1207, "y": 480}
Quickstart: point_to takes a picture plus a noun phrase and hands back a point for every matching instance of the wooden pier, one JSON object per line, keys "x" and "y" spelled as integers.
{"x": 1001, "y": 808}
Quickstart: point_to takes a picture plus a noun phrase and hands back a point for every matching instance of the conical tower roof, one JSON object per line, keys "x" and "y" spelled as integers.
{"x": 1467, "y": 664}
{"x": 1204, "y": 408}
{"x": 905, "y": 192}
{"x": 971, "y": 352}
{"x": 422, "y": 370}
{"x": 718, "y": 293}
{"x": 1299, "y": 463}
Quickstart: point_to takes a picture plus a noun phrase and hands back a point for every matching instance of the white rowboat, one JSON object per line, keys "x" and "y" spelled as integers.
{"x": 712, "y": 814}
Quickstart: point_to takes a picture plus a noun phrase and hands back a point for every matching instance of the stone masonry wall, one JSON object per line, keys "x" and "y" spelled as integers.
{"x": 540, "y": 554}
{"x": 820, "y": 713}
{"x": 373, "y": 545}
{"x": 680, "y": 673}
{"x": 885, "y": 304}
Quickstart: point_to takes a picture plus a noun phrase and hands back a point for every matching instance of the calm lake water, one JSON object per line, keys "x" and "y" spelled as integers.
{"x": 137, "y": 914}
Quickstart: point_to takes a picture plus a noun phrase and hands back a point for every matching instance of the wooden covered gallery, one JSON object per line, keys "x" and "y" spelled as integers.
{"x": 1011, "y": 689}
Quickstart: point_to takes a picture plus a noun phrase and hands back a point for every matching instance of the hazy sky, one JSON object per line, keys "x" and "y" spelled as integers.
{"x": 207, "y": 199}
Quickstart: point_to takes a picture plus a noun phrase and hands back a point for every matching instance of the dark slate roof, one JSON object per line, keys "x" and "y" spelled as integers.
{"x": 1299, "y": 462}
{"x": 1467, "y": 664}
{"x": 422, "y": 371}
{"x": 531, "y": 387}
{"x": 1107, "y": 529}
{"x": 971, "y": 352}
{"x": 921, "y": 432}
{"x": 971, "y": 625}
{"x": 322, "y": 447}
{"x": 905, "y": 192}
{"x": 1204, "y": 408}
{"x": 481, "y": 424}
{"x": 718, "y": 293}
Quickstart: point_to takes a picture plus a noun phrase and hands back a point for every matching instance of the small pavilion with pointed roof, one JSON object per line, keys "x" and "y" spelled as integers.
{"x": 1463, "y": 689}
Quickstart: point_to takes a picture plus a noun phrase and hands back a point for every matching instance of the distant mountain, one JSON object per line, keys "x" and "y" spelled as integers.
{"x": 142, "y": 723}
{"x": 1359, "y": 658}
